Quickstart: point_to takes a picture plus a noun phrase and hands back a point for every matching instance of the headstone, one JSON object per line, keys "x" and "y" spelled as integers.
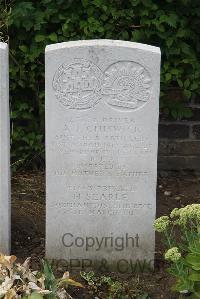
{"x": 4, "y": 152}
{"x": 101, "y": 152}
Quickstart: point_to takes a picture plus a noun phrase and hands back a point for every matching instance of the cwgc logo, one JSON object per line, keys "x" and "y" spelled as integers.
{"x": 78, "y": 84}
{"x": 125, "y": 85}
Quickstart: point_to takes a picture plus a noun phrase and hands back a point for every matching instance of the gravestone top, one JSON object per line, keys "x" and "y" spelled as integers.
{"x": 101, "y": 150}
{"x": 4, "y": 152}
{"x": 102, "y": 42}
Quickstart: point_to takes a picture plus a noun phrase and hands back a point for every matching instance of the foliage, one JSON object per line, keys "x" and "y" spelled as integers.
{"x": 184, "y": 254}
{"x": 171, "y": 25}
{"x": 18, "y": 281}
{"x": 4, "y": 22}
{"x": 113, "y": 288}
{"x": 174, "y": 109}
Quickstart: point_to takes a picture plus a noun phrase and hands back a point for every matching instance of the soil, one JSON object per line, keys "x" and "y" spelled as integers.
{"x": 28, "y": 226}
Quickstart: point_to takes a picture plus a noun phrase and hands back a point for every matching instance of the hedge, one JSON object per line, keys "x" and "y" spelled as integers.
{"x": 31, "y": 25}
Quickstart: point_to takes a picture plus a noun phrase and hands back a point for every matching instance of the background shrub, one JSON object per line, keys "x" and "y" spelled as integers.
{"x": 171, "y": 25}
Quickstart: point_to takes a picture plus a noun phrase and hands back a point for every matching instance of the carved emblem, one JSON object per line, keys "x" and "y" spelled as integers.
{"x": 127, "y": 85}
{"x": 78, "y": 84}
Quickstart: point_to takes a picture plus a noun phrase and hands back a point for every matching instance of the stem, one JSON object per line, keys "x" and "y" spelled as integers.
{"x": 186, "y": 234}
{"x": 179, "y": 271}
{"x": 196, "y": 294}
{"x": 168, "y": 239}
{"x": 171, "y": 232}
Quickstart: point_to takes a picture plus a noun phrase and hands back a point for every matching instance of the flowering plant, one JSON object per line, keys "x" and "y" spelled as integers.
{"x": 183, "y": 252}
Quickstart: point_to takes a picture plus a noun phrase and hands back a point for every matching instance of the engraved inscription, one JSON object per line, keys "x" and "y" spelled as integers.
{"x": 127, "y": 85}
{"x": 97, "y": 200}
{"x": 92, "y": 158}
{"x": 78, "y": 84}
{"x": 101, "y": 141}
{"x": 103, "y": 137}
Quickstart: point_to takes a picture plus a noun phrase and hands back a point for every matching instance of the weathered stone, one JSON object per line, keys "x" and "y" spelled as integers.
{"x": 179, "y": 163}
{"x": 173, "y": 131}
{"x": 101, "y": 151}
{"x": 196, "y": 131}
{"x": 4, "y": 152}
{"x": 179, "y": 148}
{"x": 195, "y": 115}
{"x": 197, "y": 100}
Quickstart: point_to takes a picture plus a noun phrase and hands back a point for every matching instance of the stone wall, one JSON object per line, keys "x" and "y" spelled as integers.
{"x": 179, "y": 142}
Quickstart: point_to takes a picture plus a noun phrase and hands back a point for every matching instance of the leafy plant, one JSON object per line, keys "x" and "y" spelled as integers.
{"x": 113, "y": 288}
{"x": 18, "y": 281}
{"x": 31, "y": 25}
{"x": 173, "y": 109}
{"x": 183, "y": 254}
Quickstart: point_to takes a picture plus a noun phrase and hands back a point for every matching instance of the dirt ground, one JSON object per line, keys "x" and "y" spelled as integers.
{"x": 28, "y": 225}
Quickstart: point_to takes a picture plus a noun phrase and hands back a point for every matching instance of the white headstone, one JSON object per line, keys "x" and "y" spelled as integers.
{"x": 101, "y": 151}
{"x": 4, "y": 152}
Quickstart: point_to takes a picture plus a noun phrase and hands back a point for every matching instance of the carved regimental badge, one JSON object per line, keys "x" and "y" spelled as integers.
{"x": 124, "y": 85}
{"x": 78, "y": 84}
{"x": 127, "y": 85}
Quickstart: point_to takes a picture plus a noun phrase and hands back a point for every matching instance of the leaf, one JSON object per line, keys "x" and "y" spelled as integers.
{"x": 23, "y": 48}
{"x": 169, "y": 42}
{"x": 11, "y": 294}
{"x": 35, "y": 296}
{"x": 186, "y": 49}
{"x": 168, "y": 76}
{"x": 193, "y": 297}
{"x": 180, "y": 83}
{"x": 186, "y": 83}
{"x": 193, "y": 259}
{"x": 68, "y": 281}
{"x": 187, "y": 112}
{"x": 50, "y": 281}
{"x": 195, "y": 276}
{"x": 53, "y": 37}
{"x": 6, "y": 285}
{"x": 182, "y": 285}
{"x": 174, "y": 114}
{"x": 170, "y": 19}
{"x": 39, "y": 38}
{"x": 136, "y": 35}
{"x": 196, "y": 267}
{"x": 194, "y": 86}
{"x": 7, "y": 261}
{"x": 187, "y": 93}
{"x": 195, "y": 247}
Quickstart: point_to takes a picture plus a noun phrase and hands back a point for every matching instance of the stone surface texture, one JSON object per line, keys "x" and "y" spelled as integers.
{"x": 179, "y": 141}
{"x": 4, "y": 152}
{"x": 102, "y": 107}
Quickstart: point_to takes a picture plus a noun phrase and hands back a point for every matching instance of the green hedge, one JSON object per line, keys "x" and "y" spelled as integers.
{"x": 173, "y": 25}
